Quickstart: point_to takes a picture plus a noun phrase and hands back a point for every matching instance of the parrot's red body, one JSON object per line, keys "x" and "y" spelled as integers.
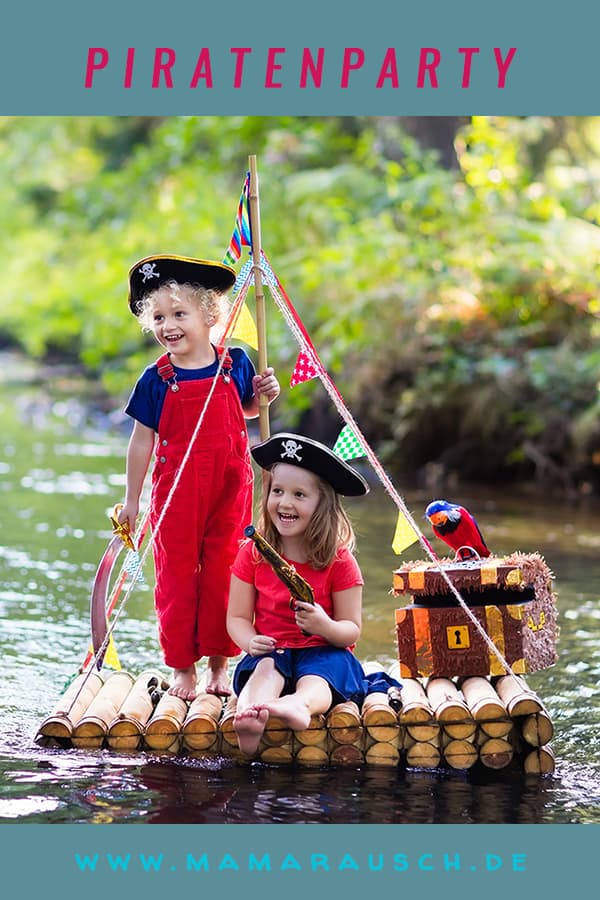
{"x": 455, "y": 525}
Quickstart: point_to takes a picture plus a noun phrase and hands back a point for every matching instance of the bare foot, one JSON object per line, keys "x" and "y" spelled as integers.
{"x": 249, "y": 727}
{"x": 292, "y": 711}
{"x": 184, "y": 683}
{"x": 217, "y": 679}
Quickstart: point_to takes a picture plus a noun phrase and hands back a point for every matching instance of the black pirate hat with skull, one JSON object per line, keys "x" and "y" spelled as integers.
{"x": 149, "y": 273}
{"x": 301, "y": 451}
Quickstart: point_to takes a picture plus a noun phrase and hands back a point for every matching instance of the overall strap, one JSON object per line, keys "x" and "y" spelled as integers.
{"x": 227, "y": 363}
{"x": 167, "y": 372}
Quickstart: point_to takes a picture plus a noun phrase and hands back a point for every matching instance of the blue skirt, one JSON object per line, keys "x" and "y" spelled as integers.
{"x": 336, "y": 665}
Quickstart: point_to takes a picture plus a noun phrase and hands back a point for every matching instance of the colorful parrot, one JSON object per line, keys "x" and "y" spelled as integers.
{"x": 455, "y": 525}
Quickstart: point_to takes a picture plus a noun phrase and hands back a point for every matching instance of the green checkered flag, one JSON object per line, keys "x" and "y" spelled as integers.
{"x": 347, "y": 445}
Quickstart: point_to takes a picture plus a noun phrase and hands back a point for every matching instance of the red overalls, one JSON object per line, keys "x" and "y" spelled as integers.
{"x": 199, "y": 535}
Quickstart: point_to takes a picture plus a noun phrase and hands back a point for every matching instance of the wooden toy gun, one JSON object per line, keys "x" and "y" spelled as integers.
{"x": 298, "y": 587}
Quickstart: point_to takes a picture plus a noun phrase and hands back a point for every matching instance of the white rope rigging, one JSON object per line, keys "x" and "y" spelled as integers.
{"x": 345, "y": 414}
{"x": 246, "y": 278}
{"x": 136, "y": 570}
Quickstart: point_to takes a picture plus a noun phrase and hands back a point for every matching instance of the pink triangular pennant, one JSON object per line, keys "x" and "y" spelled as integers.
{"x": 305, "y": 368}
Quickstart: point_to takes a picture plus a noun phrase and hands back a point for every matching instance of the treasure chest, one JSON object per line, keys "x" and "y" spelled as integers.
{"x": 467, "y": 617}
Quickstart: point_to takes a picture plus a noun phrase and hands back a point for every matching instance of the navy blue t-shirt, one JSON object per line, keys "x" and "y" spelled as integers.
{"x": 146, "y": 401}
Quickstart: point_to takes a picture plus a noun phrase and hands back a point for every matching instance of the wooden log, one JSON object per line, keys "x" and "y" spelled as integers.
{"x": 280, "y": 754}
{"x": 70, "y": 707}
{"x": 315, "y": 734}
{"x": 416, "y": 714}
{"x": 516, "y": 696}
{"x": 383, "y": 753}
{"x": 126, "y": 730}
{"x": 426, "y": 731}
{"x": 92, "y": 728}
{"x": 449, "y": 708}
{"x": 422, "y": 754}
{"x": 276, "y": 732}
{"x": 378, "y": 717}
{"x": 225, "y": 728}
{"x": 485, "y": 706}
{"x": 346, "y": 755}
{"x": 343, "y": 723}
{"x": 540, "y": 761}
{"x": 496, "y": 753}
{"x": 312, "y": 755}
{"x": 164, "y": 728}
{"x": 460, "y": 753}
{"x": 200, "y": 727}
{"x": 537, "y": 729}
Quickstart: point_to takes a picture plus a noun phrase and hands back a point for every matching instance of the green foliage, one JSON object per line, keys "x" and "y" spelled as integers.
{"x": 457, "y": 310}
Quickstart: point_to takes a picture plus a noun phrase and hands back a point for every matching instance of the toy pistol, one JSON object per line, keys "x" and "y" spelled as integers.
{"x": 298, "y": 587}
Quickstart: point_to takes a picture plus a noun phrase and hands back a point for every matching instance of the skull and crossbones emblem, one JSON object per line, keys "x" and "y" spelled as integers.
{"x": 147, "y": 272}
{"x": 290, "y": 450}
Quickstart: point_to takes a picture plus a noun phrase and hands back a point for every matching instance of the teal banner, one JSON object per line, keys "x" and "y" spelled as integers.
{"x": 385, "y": 57}
{"x": 297, "y": 861}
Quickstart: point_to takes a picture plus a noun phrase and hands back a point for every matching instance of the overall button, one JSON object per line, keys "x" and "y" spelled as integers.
{"x": 163, "y": 459}
{"x": 164, "y": 443}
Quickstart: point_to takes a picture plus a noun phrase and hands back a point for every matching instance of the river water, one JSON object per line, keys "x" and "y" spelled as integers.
{"x": 61, "y": 472}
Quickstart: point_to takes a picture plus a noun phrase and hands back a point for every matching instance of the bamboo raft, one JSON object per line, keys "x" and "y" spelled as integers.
{"x": 492, "y": 722}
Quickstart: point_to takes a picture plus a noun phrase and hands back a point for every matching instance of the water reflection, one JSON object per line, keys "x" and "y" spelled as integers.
{"x": 56, "y": 492}
{"x": 187, "y": 791}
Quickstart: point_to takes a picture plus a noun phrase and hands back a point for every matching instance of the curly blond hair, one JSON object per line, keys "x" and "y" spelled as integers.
{"x": 212, "y": 303}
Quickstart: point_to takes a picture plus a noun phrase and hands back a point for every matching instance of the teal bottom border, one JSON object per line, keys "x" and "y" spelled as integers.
{"x": 289, "y": 861}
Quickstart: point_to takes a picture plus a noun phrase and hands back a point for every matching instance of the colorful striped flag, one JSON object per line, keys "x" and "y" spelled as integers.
{"x": 347, "y": 445}
{"x": 404, "y": 534}
{"x": 241, "y": 236}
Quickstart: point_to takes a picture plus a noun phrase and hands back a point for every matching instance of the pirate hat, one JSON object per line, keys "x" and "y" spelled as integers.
{"x": 152, "y": 271}
{"x": 301, "y": 451}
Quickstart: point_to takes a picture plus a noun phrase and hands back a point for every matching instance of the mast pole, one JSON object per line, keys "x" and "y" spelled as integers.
{"x": 261, "y": 325}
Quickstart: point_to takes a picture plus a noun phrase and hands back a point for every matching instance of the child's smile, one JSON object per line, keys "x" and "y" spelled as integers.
{"x": 293, "y": 498}
{"x": 180, "y": 326}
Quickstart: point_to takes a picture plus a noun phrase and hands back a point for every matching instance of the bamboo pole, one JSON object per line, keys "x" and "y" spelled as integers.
{"x": 200, "y": 728}
{"x": 70, "y": 707}
{"x": 383, "y": 753}
{"x": 540, "y": 761}
{"x": 282, "y": 754}
{"x": 92, "y": 728}
{"x": 486, "y": 706}
{"x": 346, "y": 755}
{"x": 276, "y": 733}
{"x": 378, "y": 717}
{"x": 126, "y": 730}
{"x": 496, "y": 753}
{"x": 163, "y": 731}
{"x": 312, "y": 755}
{"x": 315, "y": 734}
{"x": 343, "y": 723}
{"x": 518, "y": 698}
{"x": 416, "y": 714}
{"x": 537, "y": 729}
{"x": 460, "y": 753}
{"x": 450, "y": 709}
{"x": 261, "y": 321}
{"x": 422, "y": 754}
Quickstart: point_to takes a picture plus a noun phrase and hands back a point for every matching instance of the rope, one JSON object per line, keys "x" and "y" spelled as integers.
{"x": 292, "y": 319}
{"x": 135, "y": 571}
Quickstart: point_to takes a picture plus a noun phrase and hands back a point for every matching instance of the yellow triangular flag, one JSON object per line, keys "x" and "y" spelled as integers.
{"x": 404, "y": 535}
{"x": 245, "y": 329}
{"x": 111, "y": 657}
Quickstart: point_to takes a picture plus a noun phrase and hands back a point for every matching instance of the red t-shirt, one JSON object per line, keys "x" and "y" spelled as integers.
{"x": 272, "y": 613}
